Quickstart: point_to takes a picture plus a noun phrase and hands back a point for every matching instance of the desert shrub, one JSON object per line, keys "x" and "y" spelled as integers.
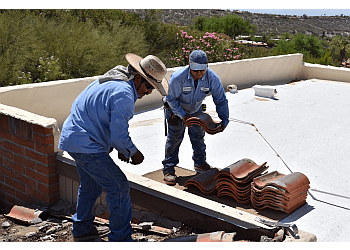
{"x": 231, "y": 25}
{"x": 35, "y": 49}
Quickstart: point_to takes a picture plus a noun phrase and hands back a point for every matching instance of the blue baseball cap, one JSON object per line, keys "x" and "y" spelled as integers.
{"x": 198, "y": 60}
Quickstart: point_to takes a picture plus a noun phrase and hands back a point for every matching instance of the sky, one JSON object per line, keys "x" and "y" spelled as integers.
{"x": 295, "y": 7}
{"x": 300, "y": 12}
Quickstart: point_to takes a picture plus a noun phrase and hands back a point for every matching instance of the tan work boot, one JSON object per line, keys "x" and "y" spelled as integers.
{"x": 170, "y": 179}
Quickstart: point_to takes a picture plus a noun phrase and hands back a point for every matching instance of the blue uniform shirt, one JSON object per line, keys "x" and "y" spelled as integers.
{"x": 184, "y": 98}
{"x": 99, "y": 119}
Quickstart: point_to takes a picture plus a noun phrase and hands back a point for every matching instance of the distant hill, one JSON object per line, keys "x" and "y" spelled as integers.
{"x": 328, "y": 26}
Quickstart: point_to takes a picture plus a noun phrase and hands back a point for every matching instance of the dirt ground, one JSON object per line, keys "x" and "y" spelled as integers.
{"x": 59, "y": 230}
{"x": 53, "y": 228}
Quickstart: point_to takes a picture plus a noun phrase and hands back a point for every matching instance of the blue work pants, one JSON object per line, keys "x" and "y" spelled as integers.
{"x": 176, "y": 131}
{"x": 98, "y": 171}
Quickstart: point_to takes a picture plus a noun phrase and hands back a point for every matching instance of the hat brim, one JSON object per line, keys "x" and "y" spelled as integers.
{"x": 198, "y": 66}
{"x": 134, "y": 61}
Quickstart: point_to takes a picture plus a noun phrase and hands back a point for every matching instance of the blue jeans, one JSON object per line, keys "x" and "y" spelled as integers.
{"x": 98, "y": 171}
{"x": 174, "y": 139}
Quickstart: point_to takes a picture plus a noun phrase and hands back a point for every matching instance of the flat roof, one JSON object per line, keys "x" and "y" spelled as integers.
{"x": 304, "y": 129}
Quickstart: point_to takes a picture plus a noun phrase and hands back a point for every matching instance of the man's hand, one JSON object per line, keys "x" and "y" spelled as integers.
{"x": 185, "y": 117}
{"x": 123, "y": 158}
{"x": 137, "y": 158}
{"x": 222, "y": 128}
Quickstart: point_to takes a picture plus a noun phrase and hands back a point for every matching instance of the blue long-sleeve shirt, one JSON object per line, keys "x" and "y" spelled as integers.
{"x": 183, "y": 98}
{"x": 99, "y": 119}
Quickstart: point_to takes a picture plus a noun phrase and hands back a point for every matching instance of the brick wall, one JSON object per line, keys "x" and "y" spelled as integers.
{"x": 27, "y": 163}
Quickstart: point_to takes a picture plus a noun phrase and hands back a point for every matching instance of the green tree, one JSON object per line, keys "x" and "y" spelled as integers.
{"x": 199, "y": 23}
{"x": 310, "y": 46}
{"x": 337, "y": 43}
{"x": 231, "y": 25}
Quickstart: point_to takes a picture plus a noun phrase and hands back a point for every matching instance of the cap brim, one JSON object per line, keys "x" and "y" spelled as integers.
{"x": 198, "y": 66}
{"x": 135, "y": 60}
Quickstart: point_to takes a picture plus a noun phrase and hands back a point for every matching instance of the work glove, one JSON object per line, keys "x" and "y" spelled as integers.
{"x": 123, "y": 158}
{"x": 137, "y": 158}
{"x": 222, "y": 128}
{"x": 186, "y": 117}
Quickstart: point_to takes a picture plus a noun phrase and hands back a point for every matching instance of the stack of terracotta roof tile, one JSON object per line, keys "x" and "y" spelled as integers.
{"x": 204, "y": 181}
{"x": 204, "y": 120}
{"x": 279, "y": 192}
{"x": 235, "y": 180}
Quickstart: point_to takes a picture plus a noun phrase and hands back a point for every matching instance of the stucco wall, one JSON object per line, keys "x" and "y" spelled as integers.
{"x": 54, "y": 99}
{"x": 309, "y": 71}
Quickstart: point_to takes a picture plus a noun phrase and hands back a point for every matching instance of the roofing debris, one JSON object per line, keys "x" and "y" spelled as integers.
{"x": 247, "y": 182}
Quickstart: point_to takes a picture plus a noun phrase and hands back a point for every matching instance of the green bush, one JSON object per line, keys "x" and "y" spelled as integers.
{"x": 231, "y": 25}
{"x": 34, "y": 48}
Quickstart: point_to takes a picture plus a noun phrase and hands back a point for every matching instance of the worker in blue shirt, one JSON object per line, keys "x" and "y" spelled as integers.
{"x": 188, "y": 87}
{"x": 99, "y": 122}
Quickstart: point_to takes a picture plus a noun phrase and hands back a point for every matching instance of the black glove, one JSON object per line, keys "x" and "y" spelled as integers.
{"x": 123, "y": 158}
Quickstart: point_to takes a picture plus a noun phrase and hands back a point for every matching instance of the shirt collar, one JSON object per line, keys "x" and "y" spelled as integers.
{"x": 136, "y": 95}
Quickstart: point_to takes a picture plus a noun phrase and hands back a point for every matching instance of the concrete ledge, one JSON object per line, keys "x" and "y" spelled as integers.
{"x": 323, "y": 72}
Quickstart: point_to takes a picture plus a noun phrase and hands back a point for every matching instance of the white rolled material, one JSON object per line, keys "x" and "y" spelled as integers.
{"x": 265, "y": 91}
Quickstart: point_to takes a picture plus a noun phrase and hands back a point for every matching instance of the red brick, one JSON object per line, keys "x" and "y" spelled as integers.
{"x": 7, "y": 172}
{"x": 7, "y": 189}
{"x": 6, "y": 154}
{"x": 16, "y": 184}
{"x": 46, "y": 170}
{"x": 53, "y": 189}
{"x": 43, "y": 139}
{"x": 24, "y": 197}
{"x": 6, "y": 123}
{"x": 48, "y": 180}
{"x": 38, "y": 195}
{"x": 12, "y": 200}
{"x": 25, "y": 143}
{"x": 6, "y": 135}
{"x": 1, "y": 143}
{"x": 54, "y": 198}
{"x": 1, "y": 122}
{"x": 38, "y": 157}
{"x": 14, "y": 166}
{"x": 42, "y": 130}
{"x": 14, "y": 148}
{"x": 1, "y": 160}
{"x": 24, "y": 179}
{"x": 24, "y": 162}
{"x": 45, "y": 149}
{"x": 52, "y": 159}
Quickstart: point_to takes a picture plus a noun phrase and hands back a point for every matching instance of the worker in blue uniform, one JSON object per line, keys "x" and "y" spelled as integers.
{"x": 188, "y": 87}
{"x": 99, "y": 122}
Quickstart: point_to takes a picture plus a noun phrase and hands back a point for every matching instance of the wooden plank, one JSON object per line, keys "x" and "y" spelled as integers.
{"x": 69, "y": 190}
{"x": 62, "y": 187}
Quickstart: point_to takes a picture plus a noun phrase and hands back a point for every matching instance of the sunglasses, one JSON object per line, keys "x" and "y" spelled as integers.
{"x": 147, "y": 84}
{"x": 199, "y": 71}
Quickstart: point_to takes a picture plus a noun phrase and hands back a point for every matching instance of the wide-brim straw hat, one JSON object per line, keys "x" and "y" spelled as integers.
{"x": 152, "y": 69}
